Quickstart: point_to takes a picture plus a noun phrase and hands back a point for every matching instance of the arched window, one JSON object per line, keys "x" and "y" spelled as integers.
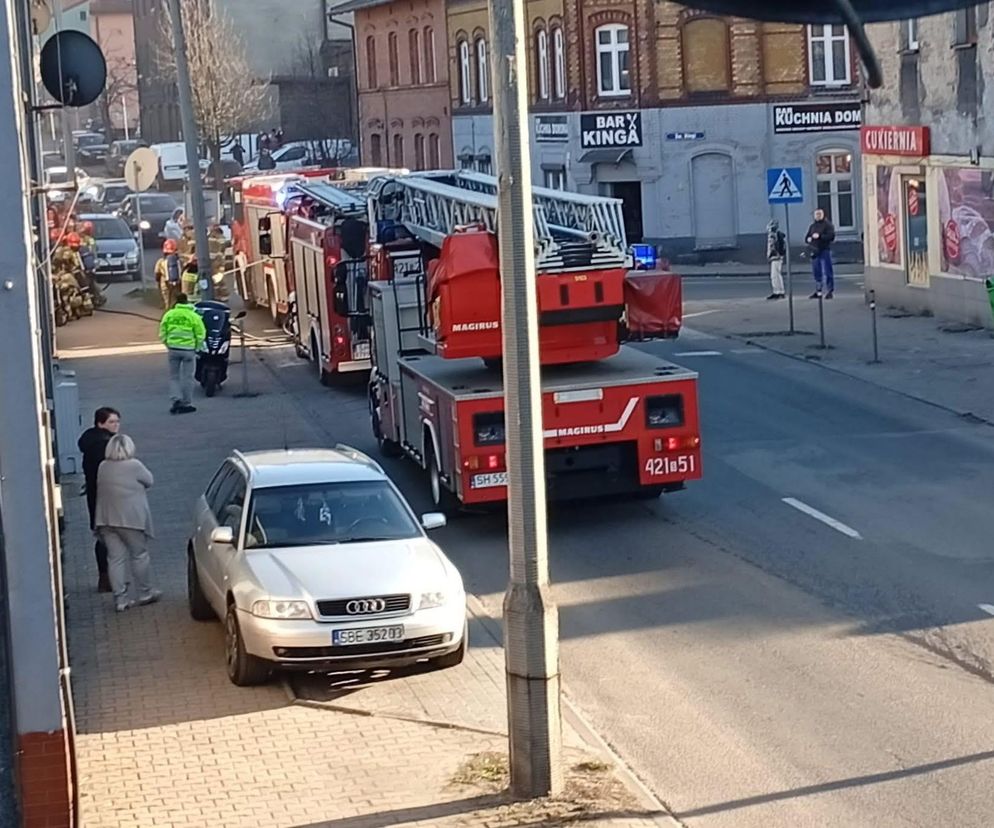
{"x": 482, "y": 70}
{"x": 429, "y": 46}
{"x": 394, "y": 59}
{"x": 376, "y": 150}
{"x": 559, "y": 63}
{"x": 371, "y": 61}
{"x": 434, "y": 152}
{"x": 414, "y": 46}
{"x": 419, "y": 151}
{"x": 542, "y": 48}
{"x": 398, "y": 150}
{"x": 705, "y": 51}
{"x": 612, "y": 60}
{"x": 465, "y": 82}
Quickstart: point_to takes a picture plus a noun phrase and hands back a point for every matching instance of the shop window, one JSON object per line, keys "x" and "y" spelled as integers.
{"x": 612, "y": 60}
{"x": 376, "y": 150}
{"x": 434, "y": 152}
{"x": 419, "y": 151}
{"x": 371, "y": 61}
{"x": 542, "y": 51}
{"x": 833, "y": 181}
{"x": 706, "y": 53}
{"x": 559, "y": 63}
{"x": 828, "y": 55}
{"x": 429, "y": 46}
{"x": 398, "y": 150}
{"x": 414, "y": 46}
{"x": 965, "y": 27}
{"x": 555, "y": 179}
{"x": 465, "y": 82}
{"x": 484, "y": 165}
{"x": 394, "y": 59}
{"x": 482, "y": 70}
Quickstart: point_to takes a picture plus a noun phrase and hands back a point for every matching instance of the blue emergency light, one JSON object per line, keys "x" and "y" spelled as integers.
{"x": 644, "y": 256}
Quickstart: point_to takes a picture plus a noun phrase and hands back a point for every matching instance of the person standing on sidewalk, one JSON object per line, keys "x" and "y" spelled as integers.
{"x": 820, "y": 236}
{"x": 124, "y": 522}
{"x": 182, "y": 331}
{"x": 93, "y": 444}
{"x": 776, "y": 251}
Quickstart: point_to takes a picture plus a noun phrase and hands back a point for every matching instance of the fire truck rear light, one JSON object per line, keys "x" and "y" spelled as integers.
{"x": 692, "y": 442}
{"x": 672, "y": 443}
{"x": 493, "y": 461}
{"x": 657, "y": 444}
{"x": 339, "y": 340}
{"x": 472, "y": 462}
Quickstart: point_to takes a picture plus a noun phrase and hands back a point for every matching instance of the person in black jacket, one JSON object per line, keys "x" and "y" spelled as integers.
{"x": 93, "y": 443}
{"x": 820, "y": 236}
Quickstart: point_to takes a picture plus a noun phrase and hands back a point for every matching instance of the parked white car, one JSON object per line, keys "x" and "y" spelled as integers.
{"x": 314, "y": 560}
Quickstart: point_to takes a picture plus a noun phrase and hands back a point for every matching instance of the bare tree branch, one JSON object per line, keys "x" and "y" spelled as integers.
{"x": 227, "y": 99}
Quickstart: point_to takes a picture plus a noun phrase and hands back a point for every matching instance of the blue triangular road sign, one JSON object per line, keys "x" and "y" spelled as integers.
{"x": 784, "y": 185}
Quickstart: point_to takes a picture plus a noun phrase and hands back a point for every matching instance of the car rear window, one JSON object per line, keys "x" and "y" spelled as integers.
{"x": 110, "y": 228}
{"x": 158, "y": 203}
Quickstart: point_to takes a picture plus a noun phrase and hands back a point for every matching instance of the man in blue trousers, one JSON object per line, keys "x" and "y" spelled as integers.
{"x": 820, "y": 236}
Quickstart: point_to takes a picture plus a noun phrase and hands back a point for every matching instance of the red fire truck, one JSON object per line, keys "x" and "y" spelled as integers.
{"x": 616, "y": 420}
{"x": 257, "y": 204}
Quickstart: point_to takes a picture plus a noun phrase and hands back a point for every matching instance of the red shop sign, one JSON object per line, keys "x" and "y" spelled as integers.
{"x": 890, "y": 233}
{"x": 913, "y": 201}
{"x": 950, "y": 237}
{"x": 895, "y": 140}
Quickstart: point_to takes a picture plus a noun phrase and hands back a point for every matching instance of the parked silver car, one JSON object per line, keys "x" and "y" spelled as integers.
{"x": 314, "y": 560}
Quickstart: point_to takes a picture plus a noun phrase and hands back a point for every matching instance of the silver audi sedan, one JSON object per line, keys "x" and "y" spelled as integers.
{"x": 314, "y": 560}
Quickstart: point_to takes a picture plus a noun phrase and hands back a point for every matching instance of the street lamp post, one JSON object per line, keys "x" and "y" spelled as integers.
{"x": 531, "y": 623}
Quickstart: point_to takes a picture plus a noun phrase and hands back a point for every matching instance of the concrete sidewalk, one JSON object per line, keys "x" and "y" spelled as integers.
{"x": 937, "y": 361}
{"x": 165, "y": 740}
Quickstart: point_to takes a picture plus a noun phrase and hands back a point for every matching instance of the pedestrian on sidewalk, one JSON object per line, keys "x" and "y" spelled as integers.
{"x": 168, "y": 273}
{"x": 93, "y": 444}
{"x": 124, "y": 522}
{"x": 182, "y": 331}
{"x": 174, "y": 226}
{"x": 776, "y": 251}
{"x": 820, "y": 236}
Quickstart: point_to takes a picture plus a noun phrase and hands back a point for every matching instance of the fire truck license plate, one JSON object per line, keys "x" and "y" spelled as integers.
{"x": 360, "y": 350}
{"x": 487, "y": 481}
{"x": 683, "y": 464}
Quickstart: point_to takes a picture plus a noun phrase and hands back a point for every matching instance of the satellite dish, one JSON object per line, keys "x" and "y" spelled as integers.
{"x": 73, "y": 68}
{"x": 141, "y": 169}
{"x": 41, "y": 16}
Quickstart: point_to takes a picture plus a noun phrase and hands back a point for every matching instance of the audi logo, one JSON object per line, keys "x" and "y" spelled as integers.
{"x": 365, "y": 606}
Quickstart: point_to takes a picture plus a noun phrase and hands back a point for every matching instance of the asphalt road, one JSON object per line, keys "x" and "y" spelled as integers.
{"x": 743, "y": 287}
{"x": 804, "y": 637}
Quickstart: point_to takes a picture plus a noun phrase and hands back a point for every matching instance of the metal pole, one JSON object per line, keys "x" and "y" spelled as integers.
{"x": 241, "y": 336}
{"x": 192, "y": 155}
{"x": 124, "y": 114}
{"x": 821, "y": 318}
{"x": 68, "y": 148}
{"x": 531, "y": 621}
{"x": 873, "y": 321}
{"x": 790, "y": 276}
{"x": 141, "y": 232}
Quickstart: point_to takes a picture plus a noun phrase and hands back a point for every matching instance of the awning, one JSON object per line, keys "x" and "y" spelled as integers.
{"x": 606, "y": 155}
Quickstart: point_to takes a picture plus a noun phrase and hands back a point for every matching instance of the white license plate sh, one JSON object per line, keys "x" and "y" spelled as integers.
{"x": 367, "y": 635}
{"x": 487, "y": 481}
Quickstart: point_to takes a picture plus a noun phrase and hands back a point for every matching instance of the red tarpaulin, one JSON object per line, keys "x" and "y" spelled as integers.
{"x": 653, "y": 304}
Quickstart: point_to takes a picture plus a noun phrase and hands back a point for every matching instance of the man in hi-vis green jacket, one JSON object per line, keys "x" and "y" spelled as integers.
{"x": 182, "y": 332}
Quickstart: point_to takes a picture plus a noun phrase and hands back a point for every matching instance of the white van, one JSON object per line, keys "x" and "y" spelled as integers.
{"x": 172, "y": 161}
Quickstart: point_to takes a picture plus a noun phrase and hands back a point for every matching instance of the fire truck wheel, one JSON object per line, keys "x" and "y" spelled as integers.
{"x": 441, "y": 497}
{"x": 323, "y": 376}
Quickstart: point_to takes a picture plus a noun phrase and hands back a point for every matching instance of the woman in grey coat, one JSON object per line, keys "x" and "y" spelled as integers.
{"x": 124, "y": 522}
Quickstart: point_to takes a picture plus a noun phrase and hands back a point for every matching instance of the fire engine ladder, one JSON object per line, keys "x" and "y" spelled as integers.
{"x": 572, "y": 231}
{"x": 337, "y": 199}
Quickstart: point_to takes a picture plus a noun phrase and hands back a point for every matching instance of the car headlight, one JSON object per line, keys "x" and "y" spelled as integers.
{"x": 132, "y": 256}
{"x": 144, "y": 225}
{"x": 432, "y": 599}
{"x": 281, "y": 609}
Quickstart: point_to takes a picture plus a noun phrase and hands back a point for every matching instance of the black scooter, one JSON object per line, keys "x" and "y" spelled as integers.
{"x": 212, "y": 361}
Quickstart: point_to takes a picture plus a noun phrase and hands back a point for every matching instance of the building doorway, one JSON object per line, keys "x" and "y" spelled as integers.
{"x": 916, "y": 231}
{"x": 630, "y": 193}
{"x": 714, "y": 202}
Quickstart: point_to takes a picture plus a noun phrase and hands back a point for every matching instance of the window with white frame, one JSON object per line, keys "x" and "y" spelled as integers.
{"x": 482, "y": 70}
{"x": 833, "y": 180}
{"x": 465, "y": 82}
{"x": 542, "y": 48}
{"x": 555, "y": 179}
{"x": 612, "y": 60}
{"x": 911, "y": 35}
{"x": 828, "y": 55}
{"x": 559, "y": 63}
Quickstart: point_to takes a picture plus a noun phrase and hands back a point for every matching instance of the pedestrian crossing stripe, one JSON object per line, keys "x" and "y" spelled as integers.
{"x": 785, "y": 187}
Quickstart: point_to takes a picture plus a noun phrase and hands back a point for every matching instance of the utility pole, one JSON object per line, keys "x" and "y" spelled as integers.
{"x": 192, "y": 155}
{"x": 531, "y": 621}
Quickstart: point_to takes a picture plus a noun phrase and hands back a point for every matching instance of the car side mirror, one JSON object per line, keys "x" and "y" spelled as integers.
{"x": 265, "y": 224}
{"x": 223, "y": 535}
{"x": 266, "y": 244}
{"x": 433, "y": 520}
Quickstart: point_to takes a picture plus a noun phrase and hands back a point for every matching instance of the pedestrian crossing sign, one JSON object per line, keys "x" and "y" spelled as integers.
{"x": 784, "y": 185}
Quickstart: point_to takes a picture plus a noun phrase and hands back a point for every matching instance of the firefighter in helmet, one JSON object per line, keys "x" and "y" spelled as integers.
{"x": 88, "y": 260}
{"x": 67, "y": 271}
{"x": 216, "y": 245}
{"x": 169, "y": 273}
{"x": 191, "y": 280}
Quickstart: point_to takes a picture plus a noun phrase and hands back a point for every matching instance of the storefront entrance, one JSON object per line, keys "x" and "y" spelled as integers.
{"x": 916, "y": 231}
{"x": 630, "y": 193}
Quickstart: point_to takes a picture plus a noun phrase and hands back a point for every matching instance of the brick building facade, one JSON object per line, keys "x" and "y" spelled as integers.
{"x": 701, "y": 106}
{"x": 403, "y": 82}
